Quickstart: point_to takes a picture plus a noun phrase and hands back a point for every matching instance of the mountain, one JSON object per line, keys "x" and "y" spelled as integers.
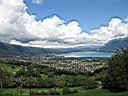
{"x": 8, "y": 49}
{"x": 115, "y": 44}
{"x": 14, "y": 50}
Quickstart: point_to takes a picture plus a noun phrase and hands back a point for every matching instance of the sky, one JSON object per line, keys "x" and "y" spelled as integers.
{"x": 62, "y": 23}
{"x": 89, "y": 13}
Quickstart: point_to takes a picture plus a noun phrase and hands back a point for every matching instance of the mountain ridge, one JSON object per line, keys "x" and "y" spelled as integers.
{"x": 115, "y": 44}
{"x": 10, "y": 49}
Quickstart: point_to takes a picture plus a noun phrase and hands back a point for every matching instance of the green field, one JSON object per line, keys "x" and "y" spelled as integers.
{"x": 98, "y": 92}
{"x": 93, "y": 92}
{"x": 62, "y": 78}
{"x": 11, "y": 70}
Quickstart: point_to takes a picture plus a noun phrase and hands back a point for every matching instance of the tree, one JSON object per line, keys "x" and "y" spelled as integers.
{"x": 117, "y": 72}
{"x": 1, "y": 78}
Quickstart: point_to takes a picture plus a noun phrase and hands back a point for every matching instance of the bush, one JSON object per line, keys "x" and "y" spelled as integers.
{"x": 74, "y": 91}
{"x": 66, "y": 90}
{"x": 90, "y": 84}
{"x": 40, "y": 92}
{"x": 46, "y": 92}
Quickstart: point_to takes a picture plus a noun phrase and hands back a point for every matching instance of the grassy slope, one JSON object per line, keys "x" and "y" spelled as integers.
{"x": 98, "y": 92}
{"x": 93, "y": 92}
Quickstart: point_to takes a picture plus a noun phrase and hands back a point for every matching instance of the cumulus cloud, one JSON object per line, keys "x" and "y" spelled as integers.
{"x": 19, "y": 27}
{"x": 115, "y": 29}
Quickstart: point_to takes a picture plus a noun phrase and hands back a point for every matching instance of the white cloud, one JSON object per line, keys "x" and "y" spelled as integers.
{"x": 18, "y": 27}
{"x": 38, "y": 1}
{"x": 126, "y": 19}
{"x": 115, "y": 29}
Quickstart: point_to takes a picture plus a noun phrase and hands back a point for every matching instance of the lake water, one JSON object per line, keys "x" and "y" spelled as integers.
{"x": 88, "y": 54}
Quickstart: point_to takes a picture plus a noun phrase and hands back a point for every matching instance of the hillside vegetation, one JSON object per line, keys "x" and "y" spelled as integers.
{"x": 67, "y": 77}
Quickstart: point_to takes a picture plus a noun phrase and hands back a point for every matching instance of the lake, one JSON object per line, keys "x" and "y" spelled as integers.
{"x": 88, "y": 54}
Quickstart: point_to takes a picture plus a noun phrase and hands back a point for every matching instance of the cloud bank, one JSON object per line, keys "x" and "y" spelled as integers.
{"x": 19, "y": 27}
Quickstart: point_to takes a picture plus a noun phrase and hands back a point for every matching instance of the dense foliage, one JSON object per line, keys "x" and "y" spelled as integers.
{"x": 53, "y": 78}
{"x": 117, "y": 77}
{"x": 29, "y": 75}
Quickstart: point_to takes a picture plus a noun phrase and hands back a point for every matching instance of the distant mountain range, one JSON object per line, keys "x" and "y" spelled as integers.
{"x": 9, "y": 49}
{"x": 115, "y": 44}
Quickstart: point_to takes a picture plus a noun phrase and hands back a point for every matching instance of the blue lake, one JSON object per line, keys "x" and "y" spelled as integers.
{"x": 88, "y": 54}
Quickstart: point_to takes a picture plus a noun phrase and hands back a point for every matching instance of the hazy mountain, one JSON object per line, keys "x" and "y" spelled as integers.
{"x": 9, "y": 49}
{"x": 115, "y": 44}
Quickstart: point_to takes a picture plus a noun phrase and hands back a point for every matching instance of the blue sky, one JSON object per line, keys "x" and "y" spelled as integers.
{"x": 57, "y": 22}
{"x": 89, "y": 13}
